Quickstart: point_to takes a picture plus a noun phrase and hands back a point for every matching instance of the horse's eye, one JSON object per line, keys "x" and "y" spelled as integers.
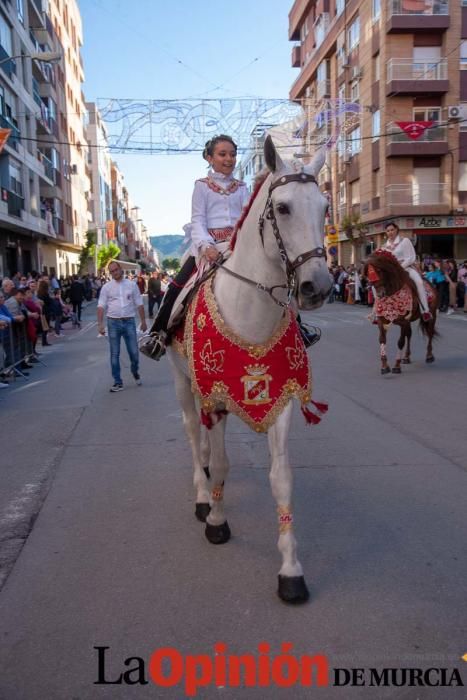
{"x": 283, "y": 209}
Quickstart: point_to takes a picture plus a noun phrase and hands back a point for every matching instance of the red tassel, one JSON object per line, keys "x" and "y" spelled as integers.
{"x": 206, "y": 419}
{"x": 320, "y": 407}
{"x": 310, "y": 417}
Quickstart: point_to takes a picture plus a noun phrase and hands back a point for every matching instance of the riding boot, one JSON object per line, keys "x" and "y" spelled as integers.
{"x": 310, "y": 334}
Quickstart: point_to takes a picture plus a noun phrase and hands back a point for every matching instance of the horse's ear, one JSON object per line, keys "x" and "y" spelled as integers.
{"x": 271, "y": 156}
{"x": 317, "y": 161}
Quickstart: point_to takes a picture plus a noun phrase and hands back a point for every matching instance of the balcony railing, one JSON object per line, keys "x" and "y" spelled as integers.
{"x": 7, "y": 64}
{"x": 408, "y": 69}
{"x": 396, "y": 135}
{"x": 6, "y": 123}
{"x": 15, "y": 204}
{"x": 47, "y": 163}
{"x": 418, "y": 7}
{"x": 414, "y": 195}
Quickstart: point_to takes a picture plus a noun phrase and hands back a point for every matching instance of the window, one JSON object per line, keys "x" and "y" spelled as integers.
{"x": 355, "y": 90}
{"x": 341, "y": 93}
{"x": 376, "y": 183}
{"x": 340, "y": 4}
{"x": 427, "y": 114}
{"x": 20, "y": 10}
{"x": 16, "y": 179}
{"x": 355, "y": 192}
{"x": 376, "y": 10}
{"x": 463, "y": 55}
{"x": 342, "y": 193}
{"x": 376, "y": 125}
{"x": 376, "y": 66}
{"x": 355, "y": 141}
{"x": 353, "y": 34}
{"x": 5, "y": 36}
{"x": 426, "y": 188}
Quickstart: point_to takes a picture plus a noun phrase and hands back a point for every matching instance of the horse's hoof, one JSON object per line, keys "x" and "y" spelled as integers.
{"x": 396, "y": 370}
{"x": 207, "y": 472}
{"x": 406, "y": 361}
{"x": 202, "y": 511}
{"x": 218, "y": 534}
{"x": 430, "y": 359}
{"x": 385, "y": 370}
{"x": 293, "y": 589}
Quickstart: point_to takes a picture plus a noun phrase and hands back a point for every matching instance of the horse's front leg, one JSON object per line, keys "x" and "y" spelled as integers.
{"x": 385, "y": 369}
{"x": 192, "y": 426}
{"x": 292, "y": 586}
{"x": 217, "y": 527}
{"x": 406, "y": 359}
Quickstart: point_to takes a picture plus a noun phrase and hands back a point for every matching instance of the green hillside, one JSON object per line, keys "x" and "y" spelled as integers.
{"x": 168, "y": 246}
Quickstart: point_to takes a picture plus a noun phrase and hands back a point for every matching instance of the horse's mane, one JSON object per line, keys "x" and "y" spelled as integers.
{"x": 259, "y": 182}
{"x": 393, "y": 276}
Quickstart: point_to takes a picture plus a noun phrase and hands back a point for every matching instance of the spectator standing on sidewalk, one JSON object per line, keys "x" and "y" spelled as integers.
{"x": 76, "y": 295}
{"x": 120, "y": 299}
{"x": 462, "y": 282}
{"x": 154, "y": 292}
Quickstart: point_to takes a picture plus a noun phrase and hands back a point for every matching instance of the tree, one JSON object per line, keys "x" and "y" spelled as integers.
{"x": 87, "y": 252}
{"x": 106, "y": 253}
{"x": 171, "y": 264}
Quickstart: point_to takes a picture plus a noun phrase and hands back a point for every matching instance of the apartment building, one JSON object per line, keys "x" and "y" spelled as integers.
{"x": 43, "y": 209}
{"x": 99, "y": 164}
{"x": 383, "y": 83}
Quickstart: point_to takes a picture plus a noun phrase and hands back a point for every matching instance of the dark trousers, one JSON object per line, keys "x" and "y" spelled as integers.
{"x": 77, "y": 308}
{"x": 162, "y": 319}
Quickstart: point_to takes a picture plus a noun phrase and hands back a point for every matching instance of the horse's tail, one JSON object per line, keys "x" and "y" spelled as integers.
{"x": 428, "y": 328}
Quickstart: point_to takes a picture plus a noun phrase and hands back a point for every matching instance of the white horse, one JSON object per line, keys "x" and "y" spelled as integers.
{"x": 278, "y": 255}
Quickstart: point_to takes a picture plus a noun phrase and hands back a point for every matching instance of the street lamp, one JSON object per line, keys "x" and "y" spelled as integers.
{"x": 44, "y": 56}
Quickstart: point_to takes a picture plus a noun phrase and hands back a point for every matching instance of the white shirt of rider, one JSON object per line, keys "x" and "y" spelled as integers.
{"x": 403, "y": 250}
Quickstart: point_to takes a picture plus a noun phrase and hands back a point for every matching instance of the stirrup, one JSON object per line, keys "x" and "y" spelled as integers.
{"x": 154, "y": 345}
{"x": 310, "y": 334}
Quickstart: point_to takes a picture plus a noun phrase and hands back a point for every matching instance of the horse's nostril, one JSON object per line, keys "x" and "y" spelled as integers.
{"x": 307, "y": 289}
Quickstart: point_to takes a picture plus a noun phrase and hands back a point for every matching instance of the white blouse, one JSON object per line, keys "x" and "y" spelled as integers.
{"x": 210, "y": 209}
{"x": 403, "y": 250}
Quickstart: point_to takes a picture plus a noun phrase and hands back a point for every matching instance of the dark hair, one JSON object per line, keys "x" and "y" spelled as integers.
{"x": 212, "y": 143}
{"x": 391, "y": 223}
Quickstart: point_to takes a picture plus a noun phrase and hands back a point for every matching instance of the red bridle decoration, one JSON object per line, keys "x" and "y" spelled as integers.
{"x": 372, "y": 274}
{"x": 382, "y": 252}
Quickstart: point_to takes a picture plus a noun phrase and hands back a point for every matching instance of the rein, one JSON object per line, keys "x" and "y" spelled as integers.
{"x": 290, "y": 265}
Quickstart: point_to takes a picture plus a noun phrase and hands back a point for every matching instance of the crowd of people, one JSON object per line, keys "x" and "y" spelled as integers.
{"x": 448, "y": 278}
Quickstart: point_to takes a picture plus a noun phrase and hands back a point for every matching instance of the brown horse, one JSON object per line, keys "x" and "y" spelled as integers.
{"x": 397, "y": 302}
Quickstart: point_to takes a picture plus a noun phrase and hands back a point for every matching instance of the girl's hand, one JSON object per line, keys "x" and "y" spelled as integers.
{"x": 211, "y": 253}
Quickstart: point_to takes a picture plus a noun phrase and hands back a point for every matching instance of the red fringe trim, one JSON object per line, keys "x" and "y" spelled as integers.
{"x": 310, "y": 417}
{"x": 320, "y": 407}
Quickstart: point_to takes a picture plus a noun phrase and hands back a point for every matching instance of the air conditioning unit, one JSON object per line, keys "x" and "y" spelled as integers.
{"x": 356, "y": 73}
{"x": 454, "y": 112}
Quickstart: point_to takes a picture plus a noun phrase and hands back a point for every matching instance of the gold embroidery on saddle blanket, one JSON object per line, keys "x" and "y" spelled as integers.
{"x": 255, "y": 382}
{"x": 398, "y": 304}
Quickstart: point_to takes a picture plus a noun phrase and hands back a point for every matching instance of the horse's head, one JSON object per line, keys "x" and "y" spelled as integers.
{"x": 297, "y": 220}
{"x": 385, "y": 273}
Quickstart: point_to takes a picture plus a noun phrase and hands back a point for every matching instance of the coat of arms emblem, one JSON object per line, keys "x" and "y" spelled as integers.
{"x": 256, "y": 384}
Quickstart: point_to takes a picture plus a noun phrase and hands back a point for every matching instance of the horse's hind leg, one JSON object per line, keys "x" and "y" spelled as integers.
{"x": 217, "y": 527}
{"x": 385, "y": 369}
{"x": 292, "y": 586}
{"x": 406, "y": 359}
{"x": 400, "y": 347}
{"x": 193, "y": 429}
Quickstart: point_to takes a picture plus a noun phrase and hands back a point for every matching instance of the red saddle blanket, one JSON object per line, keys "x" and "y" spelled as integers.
{"x": 253, "y": 381}
{"x": 399, "y": 304}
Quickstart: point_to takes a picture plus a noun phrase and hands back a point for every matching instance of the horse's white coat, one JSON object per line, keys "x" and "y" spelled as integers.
{"x": 252, "y": 314}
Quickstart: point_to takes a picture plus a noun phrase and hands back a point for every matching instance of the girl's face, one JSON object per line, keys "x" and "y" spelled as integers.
{"x": 224, "y": 158}
{"x": 391, "y": 232}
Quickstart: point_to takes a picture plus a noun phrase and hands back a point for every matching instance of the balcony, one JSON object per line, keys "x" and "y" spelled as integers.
{"x": 47, "y": 163}
{"x": 414, "y": 198}
{"x": 433, "y": 142}
{"x": 36, "y": 11}
{"x": 15, "y": 136}
{"x": 408, "y": 77}
{"x": 7, "y": 64}
{"x": 407, "y": 16}
{"x": 296, "y": 56}
{"x": 15, "y": 204}
{"x": 296, "y": 16}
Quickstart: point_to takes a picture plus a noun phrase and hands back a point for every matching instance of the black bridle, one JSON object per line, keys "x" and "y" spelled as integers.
{"x": 290, "y": 265}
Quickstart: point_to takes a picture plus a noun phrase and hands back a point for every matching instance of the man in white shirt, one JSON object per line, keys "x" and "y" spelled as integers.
{"x": 120, "y": 299}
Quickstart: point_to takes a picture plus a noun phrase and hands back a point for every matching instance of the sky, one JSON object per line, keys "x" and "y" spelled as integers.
{"x": 157, "y": 49}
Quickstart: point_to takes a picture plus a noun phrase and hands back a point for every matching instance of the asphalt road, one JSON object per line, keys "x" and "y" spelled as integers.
{"x": 100, "y": 547}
